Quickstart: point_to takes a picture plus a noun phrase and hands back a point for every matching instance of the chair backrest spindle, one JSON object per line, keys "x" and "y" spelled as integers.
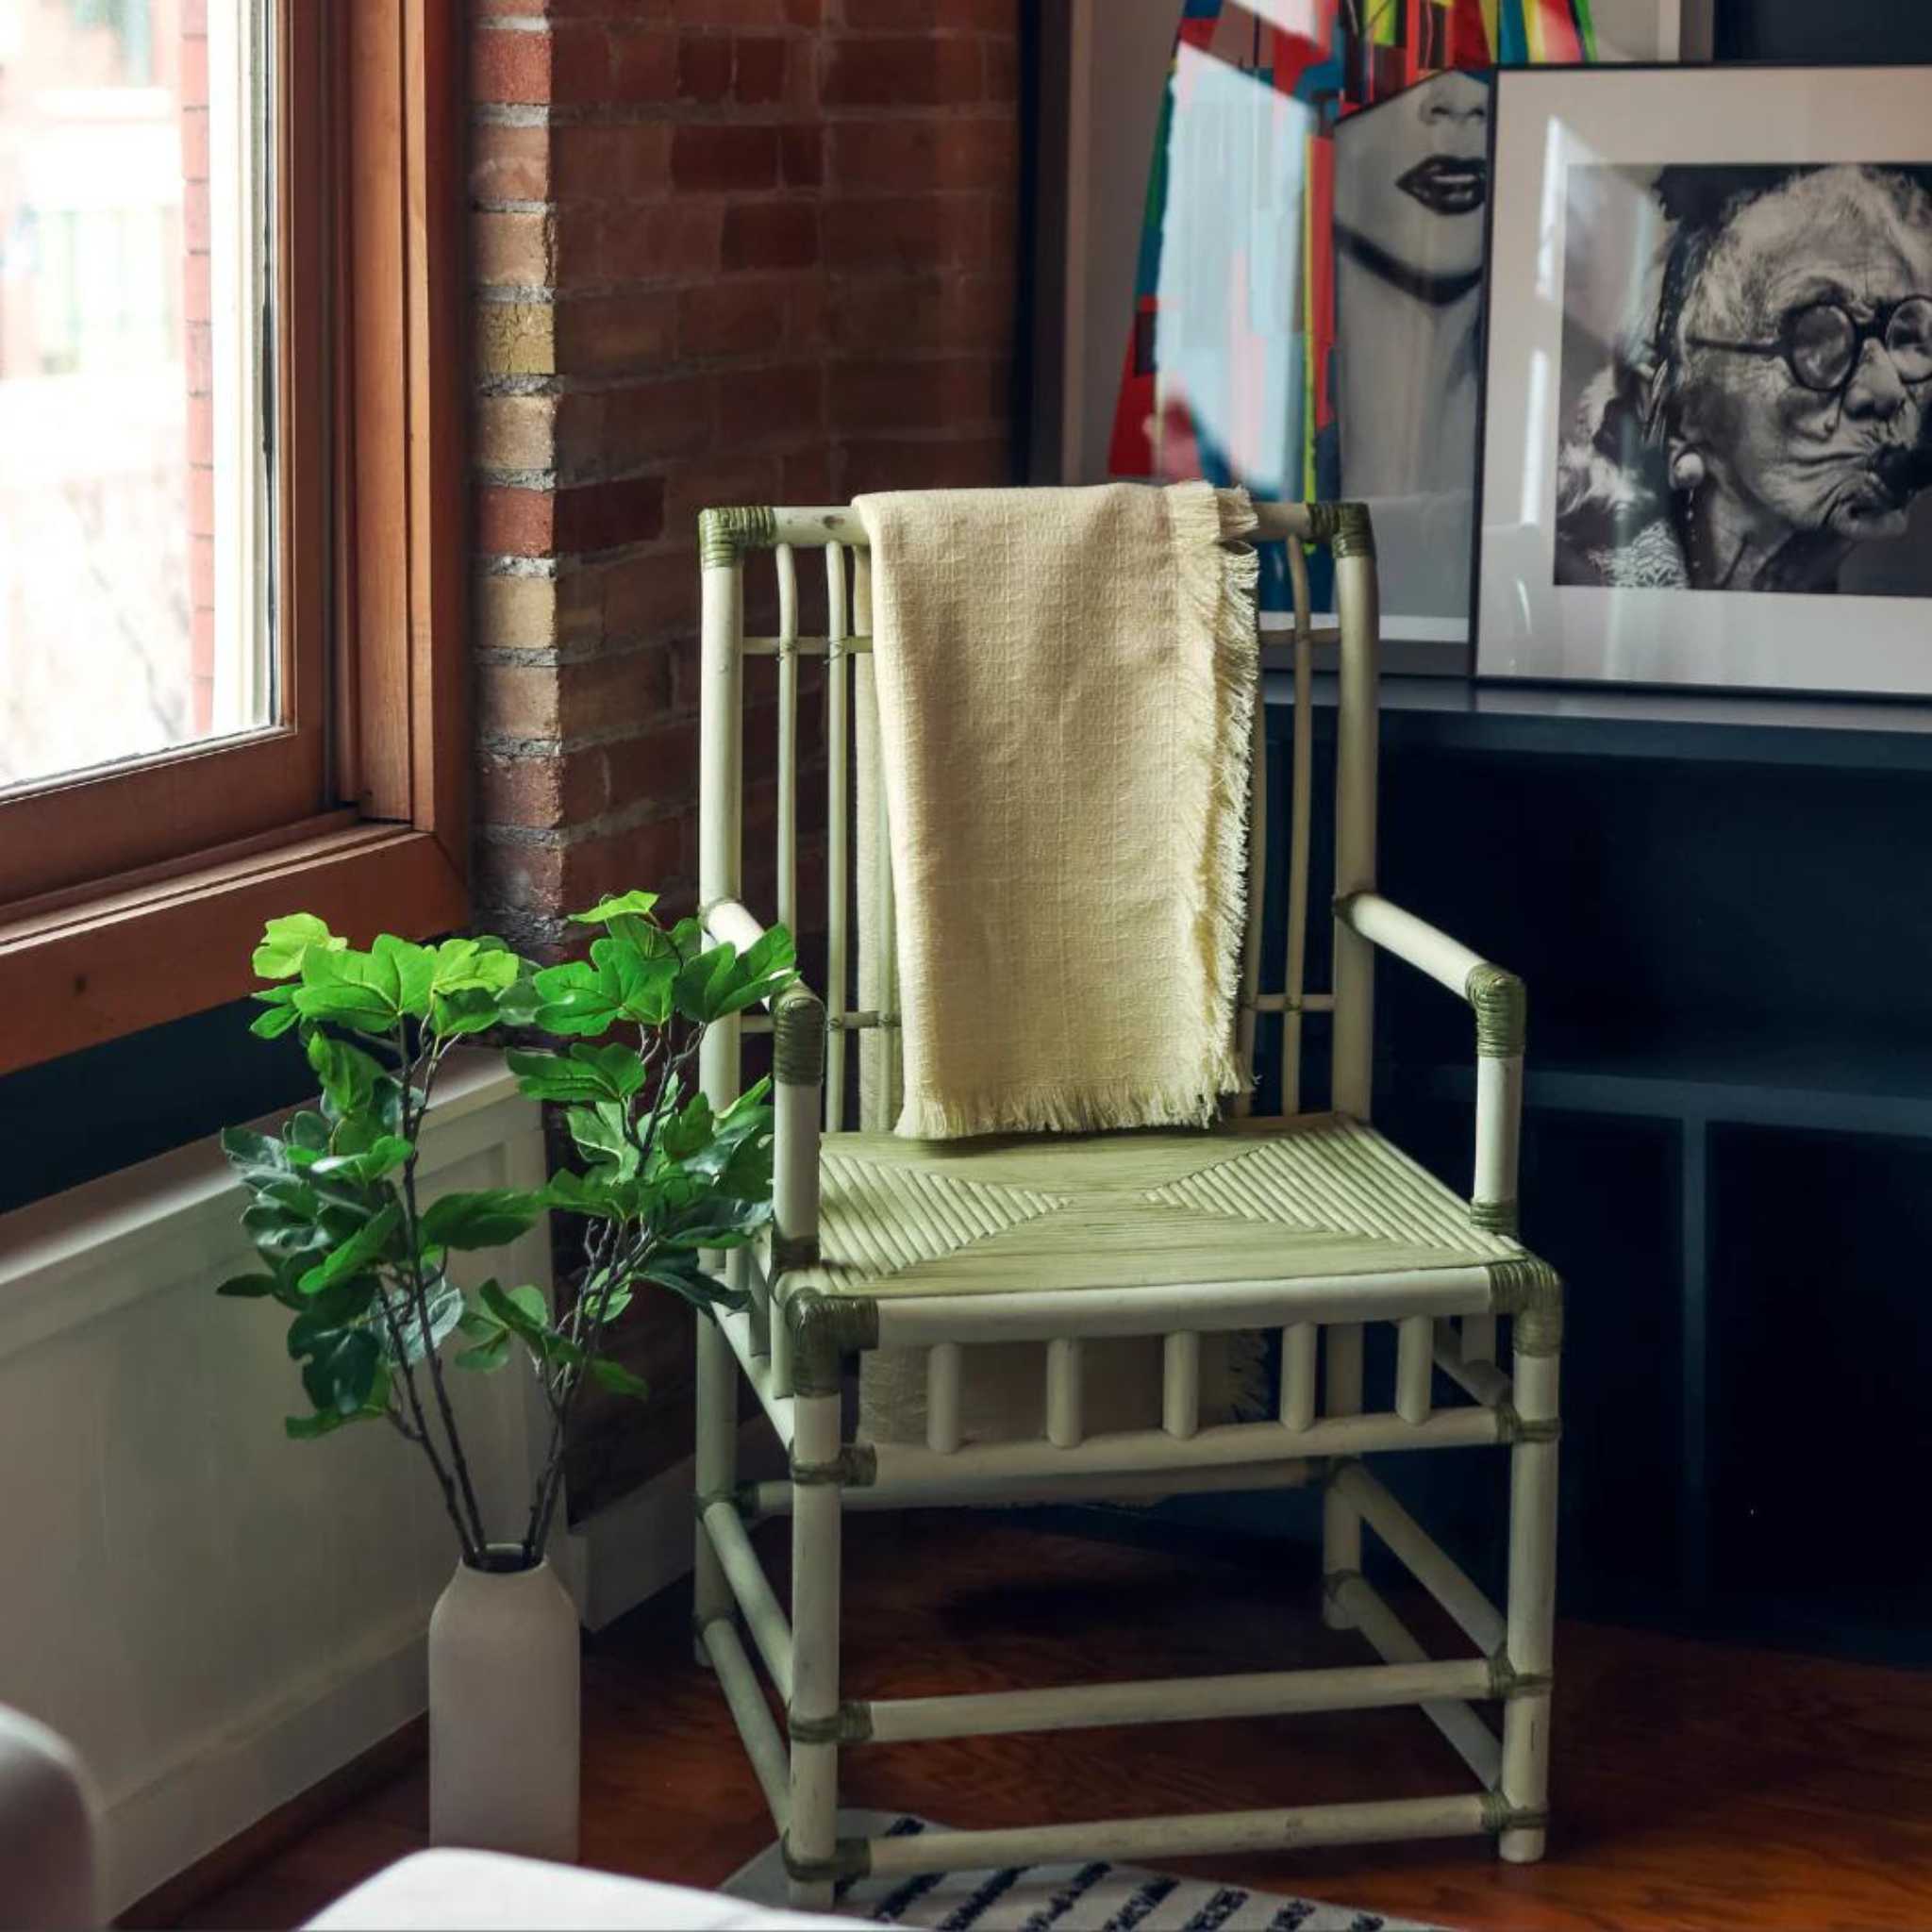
{"x": 838, "y": 832}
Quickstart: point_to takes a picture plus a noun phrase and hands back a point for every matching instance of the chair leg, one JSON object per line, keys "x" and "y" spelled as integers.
{"x": 811, "y": 1843}
{"x": 716, "y": 1399}
{"x": 1342, "y": 1523}
{"x": 1525, "y": 1777}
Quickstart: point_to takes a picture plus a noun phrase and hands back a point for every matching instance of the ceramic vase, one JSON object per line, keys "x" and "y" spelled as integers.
{"x": 504, "y": 1711}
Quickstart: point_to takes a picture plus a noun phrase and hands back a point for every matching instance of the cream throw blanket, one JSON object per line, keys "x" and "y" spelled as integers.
{"x": 1066, "y": 682}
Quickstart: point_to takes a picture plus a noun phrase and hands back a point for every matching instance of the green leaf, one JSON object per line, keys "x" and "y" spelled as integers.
{"x": 415, "y": 972}
{"x": 485, "y": 1219}
{"x": 715, "y": 1223}
{"x": 249, "y": 1286}
{"x": 637, "y": 905}
{"x": 281, "y": 1014}
{"x": 282, "y": 1237}
{"x": 354, "y": 1256}
{"x": 585, "y": 1073}
{"x": 472, "y": 1011}
{"x": 258, "y": 1158}
{"x": 773, "y": 953}
{"x": 617, "y": 1378}
{"x": 446, "y": 1308}
{"x": 478, "y": 965}
{"x": 348, "y": 1074}
{"x": 522, "y": 1309}
{"x": 488, "y": 1356}
{"x": 640, "y": 981}
{"x": 305, "y": 1428}
{"x": 287, "y": 943}
{"x": 527, "y": 1315}
{"x": 359, "y": 989}
{"x": 702, "y": 984}
{"x": 576, "y": 1193}
{"x": 530, "y": 1302}
{"x": 341, "y": 1374}
{"x": 607, "y": 1303}
{"x": 383, "y": 1155}
{"x": 603, "y": 1134}
{"x": 682, "y": 1275}
{"x": 574, "y": 999}
{"x": 688, "y": 1131}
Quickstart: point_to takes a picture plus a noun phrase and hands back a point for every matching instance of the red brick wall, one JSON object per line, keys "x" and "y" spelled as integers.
{"x": 726, "y": 251}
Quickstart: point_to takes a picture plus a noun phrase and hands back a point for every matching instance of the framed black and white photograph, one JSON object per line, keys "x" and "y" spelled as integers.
{"x": 1707, "y": 411}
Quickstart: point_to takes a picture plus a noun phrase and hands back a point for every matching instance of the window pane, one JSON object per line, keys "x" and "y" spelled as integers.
{"x": 132, "y": 476}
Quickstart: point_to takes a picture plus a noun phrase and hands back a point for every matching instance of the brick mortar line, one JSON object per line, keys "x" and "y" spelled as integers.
{"x": 563, "y": 657}
{"x": 561, "y": 838}
{"x": 520, "y": 750}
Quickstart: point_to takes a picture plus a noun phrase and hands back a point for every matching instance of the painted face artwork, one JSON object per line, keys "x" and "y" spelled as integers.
{"x": 1410, "y": 200}
{"x": 1805, "y": 350}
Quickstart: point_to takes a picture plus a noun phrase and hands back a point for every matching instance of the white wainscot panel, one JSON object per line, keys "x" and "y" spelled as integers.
{"x": 216, "y": 1616}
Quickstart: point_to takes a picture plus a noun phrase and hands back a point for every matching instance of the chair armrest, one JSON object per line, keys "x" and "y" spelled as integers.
{"x": 798, "y": 1075}
{"x": 1500, "y": 1003}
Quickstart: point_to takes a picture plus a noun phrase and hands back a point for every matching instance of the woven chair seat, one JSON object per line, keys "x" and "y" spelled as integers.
{"x": 1317, "y": 1196}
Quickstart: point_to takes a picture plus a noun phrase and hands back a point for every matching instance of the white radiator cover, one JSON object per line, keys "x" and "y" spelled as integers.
{"x": 218, "y": 1616}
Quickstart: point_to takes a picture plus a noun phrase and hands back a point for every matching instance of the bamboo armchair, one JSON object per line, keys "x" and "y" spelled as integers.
{"x": 1307, "y": 1225}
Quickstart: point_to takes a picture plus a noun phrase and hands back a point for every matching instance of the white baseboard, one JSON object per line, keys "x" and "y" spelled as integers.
{"x": 195, "y": 1803}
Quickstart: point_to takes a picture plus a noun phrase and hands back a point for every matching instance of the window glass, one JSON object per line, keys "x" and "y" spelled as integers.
{"x": 133, "y": 431}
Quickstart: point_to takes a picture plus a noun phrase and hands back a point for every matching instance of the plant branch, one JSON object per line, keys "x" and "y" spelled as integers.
{"x": 630, "y": 1257}
{"x": 420, "y": 1292}
{"x": 471, "y": 1546}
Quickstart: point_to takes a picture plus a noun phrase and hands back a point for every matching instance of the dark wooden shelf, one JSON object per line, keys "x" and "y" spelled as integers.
{"x": 1458, "y": 713}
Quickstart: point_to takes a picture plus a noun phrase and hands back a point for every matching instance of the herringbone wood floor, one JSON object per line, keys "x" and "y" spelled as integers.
{"x": 1696, "y": 1785}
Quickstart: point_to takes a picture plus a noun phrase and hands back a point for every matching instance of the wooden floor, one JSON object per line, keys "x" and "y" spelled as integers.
{"x": 1696, "y": 1786}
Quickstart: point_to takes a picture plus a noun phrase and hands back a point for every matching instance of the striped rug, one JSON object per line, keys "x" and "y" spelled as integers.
{"x": 1090, "y": 1897}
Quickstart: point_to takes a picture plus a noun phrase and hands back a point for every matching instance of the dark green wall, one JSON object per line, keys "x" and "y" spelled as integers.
{"x": 68, "y": 1121}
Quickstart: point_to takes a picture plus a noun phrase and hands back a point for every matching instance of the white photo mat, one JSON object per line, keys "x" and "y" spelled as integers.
{"x": 1547, "y": 120}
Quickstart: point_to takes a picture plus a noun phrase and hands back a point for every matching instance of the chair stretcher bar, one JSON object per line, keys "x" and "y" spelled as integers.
{"x": 750, "y": 1586}
{"x": 1172, "y": 1700}
{"x": 917, "y": 1320}
{"x": 752, "y": 1715}
{"x": 1178, "y": 1838}
{"x": 775, "y": 1498}
{"x": 913, "y": 1471}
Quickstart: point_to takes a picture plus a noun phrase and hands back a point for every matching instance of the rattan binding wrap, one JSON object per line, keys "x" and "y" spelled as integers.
{"x": 825, "y": 1328}
{"x": 1346, "y": 528}
{"x": 798, "y": 1037}
{"x": 725, "y": 535}
{"x": 1502, "y": 1011}
{"x": 1532, "y": 1293}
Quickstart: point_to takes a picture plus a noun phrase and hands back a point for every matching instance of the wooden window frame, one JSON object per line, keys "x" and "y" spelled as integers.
{"x": 135, "y": 897}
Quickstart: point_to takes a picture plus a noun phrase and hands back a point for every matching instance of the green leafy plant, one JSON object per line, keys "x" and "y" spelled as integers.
{"x": 368, "y": 1269}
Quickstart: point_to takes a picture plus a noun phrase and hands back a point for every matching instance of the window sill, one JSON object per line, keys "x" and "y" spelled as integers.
{"x": 143, "y": 952}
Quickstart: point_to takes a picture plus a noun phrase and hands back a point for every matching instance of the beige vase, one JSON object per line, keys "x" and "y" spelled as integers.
{"x": 503, "y": 1712}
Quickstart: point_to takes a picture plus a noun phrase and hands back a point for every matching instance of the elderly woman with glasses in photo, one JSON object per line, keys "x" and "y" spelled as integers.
{"x": 1775, "y": 408}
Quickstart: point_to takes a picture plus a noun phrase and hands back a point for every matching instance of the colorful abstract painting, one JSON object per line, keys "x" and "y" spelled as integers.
{"x": 1230, "y": 368}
